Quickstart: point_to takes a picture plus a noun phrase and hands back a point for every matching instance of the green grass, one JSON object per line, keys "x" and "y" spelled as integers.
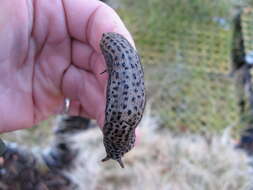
{"x": 186, "y": 56}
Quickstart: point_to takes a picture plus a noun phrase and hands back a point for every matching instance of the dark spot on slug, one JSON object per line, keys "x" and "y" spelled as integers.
{"x": 122, "y": 45}
{"x": 117, "y": 75}
{"x": 115, "y": 88}
{"x": 124, "y": 126}
{"x": 126, "y": 86}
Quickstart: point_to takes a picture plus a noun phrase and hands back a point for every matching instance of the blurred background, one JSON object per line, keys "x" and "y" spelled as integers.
{"x": 185, "y": 48}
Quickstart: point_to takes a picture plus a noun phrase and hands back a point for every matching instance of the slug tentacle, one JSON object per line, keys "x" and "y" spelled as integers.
{"x": 103, "y": 72}
{"x": 121, "y": 163}
{"x": 126, "y": 98}
{"x": 105, "y": 159}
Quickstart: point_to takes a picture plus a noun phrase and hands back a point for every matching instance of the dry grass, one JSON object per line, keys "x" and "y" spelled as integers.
{"x": 162, "y": 161}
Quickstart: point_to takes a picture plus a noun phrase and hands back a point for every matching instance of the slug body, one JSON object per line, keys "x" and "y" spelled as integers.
{"x": 125, "y": 95}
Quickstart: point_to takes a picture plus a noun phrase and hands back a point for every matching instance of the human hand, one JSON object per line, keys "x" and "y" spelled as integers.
{"x": 49, "y": 50}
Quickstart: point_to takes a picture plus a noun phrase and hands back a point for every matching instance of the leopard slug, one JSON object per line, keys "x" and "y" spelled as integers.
{"x": 125, "y": 94}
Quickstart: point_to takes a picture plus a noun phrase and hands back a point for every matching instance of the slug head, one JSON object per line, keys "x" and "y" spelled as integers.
{"x": 112, "y": 46}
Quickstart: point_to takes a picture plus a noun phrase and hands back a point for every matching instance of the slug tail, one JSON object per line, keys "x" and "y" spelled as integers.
{"x": 120, "y": 163}
{"x": 106, "y": 158}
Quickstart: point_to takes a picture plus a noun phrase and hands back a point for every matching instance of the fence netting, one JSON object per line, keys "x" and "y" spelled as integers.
{"x": 186, "y": 51}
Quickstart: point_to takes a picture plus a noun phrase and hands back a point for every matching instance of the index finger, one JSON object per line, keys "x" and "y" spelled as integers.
{"x": 87, "y": 20}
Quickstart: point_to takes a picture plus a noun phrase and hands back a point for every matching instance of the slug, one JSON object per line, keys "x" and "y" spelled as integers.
{"x": 125, "y": 95}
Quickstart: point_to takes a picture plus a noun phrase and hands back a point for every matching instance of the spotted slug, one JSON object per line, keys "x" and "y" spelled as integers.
{"x": 125, "y": 94}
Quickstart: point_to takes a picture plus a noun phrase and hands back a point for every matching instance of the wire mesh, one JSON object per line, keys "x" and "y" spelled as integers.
{"x": 185, "y": 47}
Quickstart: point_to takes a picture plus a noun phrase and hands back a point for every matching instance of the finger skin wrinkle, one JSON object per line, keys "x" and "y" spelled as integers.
{"x": 65, "y": 17}
{"x": 91, "y": 62}
{"x": 14, "y": 31}
{"x": 81, "y": 54}
{"x": 53, "y": 56}
{"x": 71, "y": 77}
{"x": 78, "y": 13}
{"x": 49, "y": 23}
{"x": 71, "y": 44}
{"x": 90, "y": 24}
{"x": 52, "y": 40}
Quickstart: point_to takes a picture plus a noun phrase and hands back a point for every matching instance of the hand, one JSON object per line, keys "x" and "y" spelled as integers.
{"x": 49, "y": 50}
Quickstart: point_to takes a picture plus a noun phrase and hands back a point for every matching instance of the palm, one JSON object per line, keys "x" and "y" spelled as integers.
{"x": 55, "y": 57}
